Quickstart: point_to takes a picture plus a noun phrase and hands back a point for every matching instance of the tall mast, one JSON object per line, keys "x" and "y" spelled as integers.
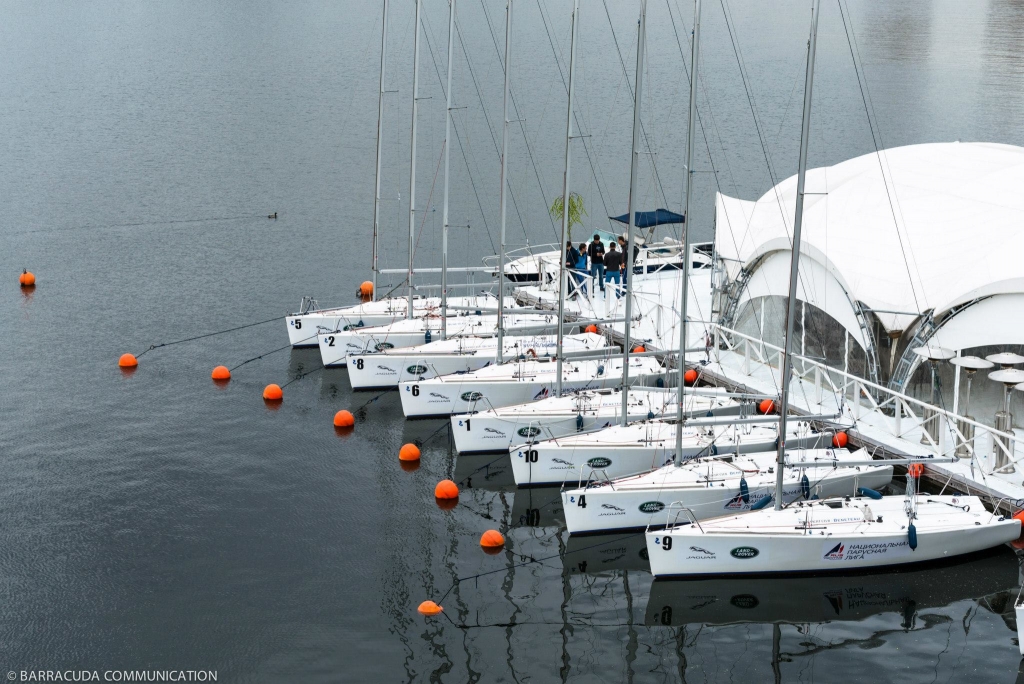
{"x": 565, "y": 198}
{"x": 640, "y": 47}
{"x": 447, "y": 148}
{"x": 380, "y": 144}
{"x": 504, "y": 170}
{"x": 685, "y": 288}
{"x": 412, "y": 146}
{"x": 794, "y": 268}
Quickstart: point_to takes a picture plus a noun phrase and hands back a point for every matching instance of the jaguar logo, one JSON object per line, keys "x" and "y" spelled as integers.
{"x": 386, "y": 369}
{"x": 612, "y": 508}
{"x": 599, "y": 462}
{"x": 697, "y": 549}
{"x": 471, "y": 396}
{"x": 652, "y": 507}
{"x": 497, "y": 432}
{"x": 381, "y": 346}
{"x": 438, "y": 396}
{"x": 528, "y": 431}
{"x": 563, "y": 461}
{"x": 744, "y": 552}
{"x": 416, "y": 370}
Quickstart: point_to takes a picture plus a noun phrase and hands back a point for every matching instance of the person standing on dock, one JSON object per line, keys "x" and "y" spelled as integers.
{"x": 636, "y": 254}
{"x": 596, "y": 253}
{"x": 572, "y": 259}
{"x": 613, "y": 269}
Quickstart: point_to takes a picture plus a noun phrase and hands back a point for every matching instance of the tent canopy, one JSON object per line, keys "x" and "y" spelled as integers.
{"x": 906, "y": 230}
{"x": 649, "y": 219}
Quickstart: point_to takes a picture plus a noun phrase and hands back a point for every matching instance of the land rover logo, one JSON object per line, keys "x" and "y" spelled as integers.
{"x": 416, "y": 370}
{"x": 651, "y": 507}
{"x": 381, "y": 346}
{"x": 599, "y": 462}
{"x": 528, "y": 431}
{"x": 471, "y": 396}
{"x": 744, "y": 552}
{"x": 745, "y": 601}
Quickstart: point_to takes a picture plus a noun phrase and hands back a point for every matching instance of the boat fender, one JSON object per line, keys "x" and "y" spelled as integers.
{"x": 650, "y": 415}
{"x": 912, "y": 537}
{"x": 761, "y": 504}
{"x": 660, "y": 383}
{"x": 870, "y": 493}
{"x": 805, "y": 486}
{"x": 579, "y": 422}
{"x": 600, "y": 371}
{"x": 426, "y": 337}
{"x": 709, "y": 415}
{"x": 714, "y": 450}
{"x": 744, "y": 490}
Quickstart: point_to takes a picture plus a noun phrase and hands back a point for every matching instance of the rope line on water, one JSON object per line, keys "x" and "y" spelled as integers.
{"x": 138, "y": 224}
{"x": 256, "y": 358}
{"x": 302, "y": 375}
{"x": 199, "y": 337}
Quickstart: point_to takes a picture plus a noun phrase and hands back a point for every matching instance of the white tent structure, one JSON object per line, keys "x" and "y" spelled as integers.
{"x": 928, "y": 239}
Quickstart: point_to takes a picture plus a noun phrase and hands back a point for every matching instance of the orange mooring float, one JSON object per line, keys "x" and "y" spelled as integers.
{"x": 344, "y": 419}
{"x": 273, "y": 393}
{"x": 27, "y": 278}
{"x": 127, "y": 361}
{"x": 221, "y": 374}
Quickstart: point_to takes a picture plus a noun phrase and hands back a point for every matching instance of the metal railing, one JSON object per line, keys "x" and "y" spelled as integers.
{"x": 893, "y": 412}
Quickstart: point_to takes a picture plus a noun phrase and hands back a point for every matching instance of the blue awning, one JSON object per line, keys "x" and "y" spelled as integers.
{"x": 649, "y": 219}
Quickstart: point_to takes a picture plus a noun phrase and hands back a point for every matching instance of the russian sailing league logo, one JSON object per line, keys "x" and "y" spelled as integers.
{"x": 528, "y": 431}
{"x": 836, "y": 552}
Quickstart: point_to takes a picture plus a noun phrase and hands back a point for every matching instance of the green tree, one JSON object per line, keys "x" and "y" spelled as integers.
{"x": 576, "y": 211}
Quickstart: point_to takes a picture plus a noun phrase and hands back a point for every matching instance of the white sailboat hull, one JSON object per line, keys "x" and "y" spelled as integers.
{"x": 840, "y": 540}
{"x": 517, "y": 382}
{"x": 388, "y": 369}
{"x": 336, "y": 346}
{"x": 303, "y": 327}
{"x": 622, "y": 505}
{"x": 501, "y": 429}
{"x": 620, "y": 451}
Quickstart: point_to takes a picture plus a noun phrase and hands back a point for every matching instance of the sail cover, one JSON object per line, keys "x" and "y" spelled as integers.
{"x": 649, "y": 219}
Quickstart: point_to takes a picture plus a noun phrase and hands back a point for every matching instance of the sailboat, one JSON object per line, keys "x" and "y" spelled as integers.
{"x": 624, "y": 450}
{"x": 499, "y": 429}
{"x": 386, "y": 369}
{"x": 721, "y": 484}
{"x": 825, "y": 535}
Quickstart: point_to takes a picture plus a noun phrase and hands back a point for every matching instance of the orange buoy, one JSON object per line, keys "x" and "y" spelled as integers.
{"x": 409, "y": 452}
{"x": 273, "y": 392}
{"x": 915, "y": 469}
{"x": 766, "y": 406}
{"x": 840, "y": 439}
{"x": 639, "y": 349}
{"x": 27, "y": 279}
{"x": 590, "y": 328}
{"x": 492, "y": 541}
{"x": 127, "y": 361}
{"x": 366, "y": 289}
{"x": 344, "y": 419}
{"x": 1019, "y": 515}
{"x": 446, "y": 489}
{"x": 690, "y": 376}
{"x": 429, "y": 608}
{"x": 221, "y": 373}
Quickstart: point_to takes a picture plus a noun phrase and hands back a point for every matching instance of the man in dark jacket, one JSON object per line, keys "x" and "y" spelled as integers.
{"x": 596, "y": 253}
{"x": 636, "y": 253}
{"x": 613, "y": 268}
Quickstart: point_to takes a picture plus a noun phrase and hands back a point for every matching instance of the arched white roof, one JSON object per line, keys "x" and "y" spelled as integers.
{"x": 908, "y": 229}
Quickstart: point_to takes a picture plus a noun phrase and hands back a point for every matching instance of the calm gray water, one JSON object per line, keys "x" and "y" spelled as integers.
{"x": 153, "y": 521}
